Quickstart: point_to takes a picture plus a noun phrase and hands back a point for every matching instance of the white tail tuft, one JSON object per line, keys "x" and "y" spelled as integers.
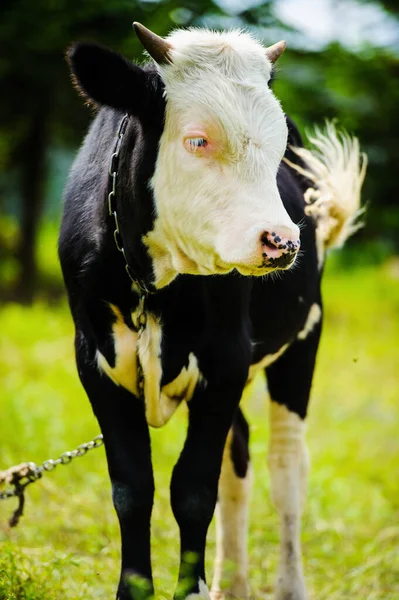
{"x": 337, "y": 168}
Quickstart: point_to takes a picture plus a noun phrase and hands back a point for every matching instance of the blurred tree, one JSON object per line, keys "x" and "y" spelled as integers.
{"x": 392, "y": 6}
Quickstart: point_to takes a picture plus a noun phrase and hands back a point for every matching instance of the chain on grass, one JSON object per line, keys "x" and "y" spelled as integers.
{"x": 20, "y": 476}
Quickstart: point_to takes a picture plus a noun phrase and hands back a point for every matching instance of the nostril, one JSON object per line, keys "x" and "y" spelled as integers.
{"x": 269, "y": 243}
{"x": 277, "y": 243}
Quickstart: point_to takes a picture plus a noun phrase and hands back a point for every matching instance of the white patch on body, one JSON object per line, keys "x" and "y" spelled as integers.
{"x": 337, "y": 169}
{"x": 124, "y": 372}
{"x": 314, "y": 317}
{"x": 160, "y": 404}
{"x": 214, "y": 201}
{"x": 184, "y": 384}
{"x": 289, "y": 465}
{"x": 203, "y": 593}
{"x": 232, "y": 514}
{"x": 265, "y": 362}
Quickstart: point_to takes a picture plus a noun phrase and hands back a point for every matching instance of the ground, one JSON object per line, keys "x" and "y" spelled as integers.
{"x": 67, "y": 544}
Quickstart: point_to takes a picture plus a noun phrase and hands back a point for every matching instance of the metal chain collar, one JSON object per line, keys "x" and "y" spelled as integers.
{"x": 20, "y": 476}
{"x": 140, "y": 314}
{"x": 113, "y": 173}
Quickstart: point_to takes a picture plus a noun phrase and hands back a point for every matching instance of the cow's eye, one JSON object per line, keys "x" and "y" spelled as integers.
{"x": 192, "y": 144}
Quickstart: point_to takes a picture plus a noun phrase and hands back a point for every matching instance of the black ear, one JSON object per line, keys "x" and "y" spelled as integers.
{"x": 105, "y": 77}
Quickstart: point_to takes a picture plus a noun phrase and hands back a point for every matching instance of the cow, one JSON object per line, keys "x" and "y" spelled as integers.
{"x": 191, "y": 191}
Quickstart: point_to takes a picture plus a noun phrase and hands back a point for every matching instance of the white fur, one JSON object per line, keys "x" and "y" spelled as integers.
{"x": 289, "y": 465}
{"x": 160, "y": 404}
{"x": 232, "y": 514}
{"x": 212, "y": 209}
{"x": 314, "y": 317}
{"x": 185, "y": 382}
{"x": 203, "y": 592}
{"x": 265, "y": 362}
{"x": 125, "y": 344}
{"x": 337, "y": 168}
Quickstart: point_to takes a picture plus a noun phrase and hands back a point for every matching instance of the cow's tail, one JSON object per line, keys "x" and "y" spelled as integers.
{"x": 335, "y": 169}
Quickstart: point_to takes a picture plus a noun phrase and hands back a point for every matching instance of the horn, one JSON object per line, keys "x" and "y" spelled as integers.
{"x": 274, "y": 52}
{"x": 156, "y": 46}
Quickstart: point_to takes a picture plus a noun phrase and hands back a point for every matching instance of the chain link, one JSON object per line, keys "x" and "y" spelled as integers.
{"x": 20, "y": 476}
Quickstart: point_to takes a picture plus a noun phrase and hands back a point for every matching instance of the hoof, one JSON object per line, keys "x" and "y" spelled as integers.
{"x": 203, "y": 592}
{"x": 290, "y": 589}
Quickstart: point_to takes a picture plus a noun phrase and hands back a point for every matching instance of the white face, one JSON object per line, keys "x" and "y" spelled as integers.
{"x": 217, "y": 203}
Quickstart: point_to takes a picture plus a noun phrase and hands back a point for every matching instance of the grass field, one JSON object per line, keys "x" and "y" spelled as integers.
{"x": 67, "y": 544}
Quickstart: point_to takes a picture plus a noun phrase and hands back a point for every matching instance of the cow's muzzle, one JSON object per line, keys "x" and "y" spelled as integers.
{"x": 279, "y": 248}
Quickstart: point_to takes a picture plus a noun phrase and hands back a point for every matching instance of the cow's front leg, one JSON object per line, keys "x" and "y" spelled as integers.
{"x": 195, "y": 478}
{"x": 289, "y": 380}
{"x": 127, "y": 443}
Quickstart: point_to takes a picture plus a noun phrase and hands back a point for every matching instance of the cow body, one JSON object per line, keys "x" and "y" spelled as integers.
{"x": 204, "y": 340}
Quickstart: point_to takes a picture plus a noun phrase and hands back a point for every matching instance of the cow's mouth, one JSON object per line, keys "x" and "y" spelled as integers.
{"x": 268, "y": 265}
{"x": 263, "y": 269}
{"x": 285, "y": 261}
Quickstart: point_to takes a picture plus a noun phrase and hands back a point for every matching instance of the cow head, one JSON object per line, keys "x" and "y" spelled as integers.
{"x": 217, "y": 205}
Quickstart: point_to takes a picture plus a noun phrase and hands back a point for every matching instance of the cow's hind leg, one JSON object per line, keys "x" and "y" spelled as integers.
{"x": 232, "y": 512}
{"x": 289, "y": 381}
{"x": 127, "y": 443}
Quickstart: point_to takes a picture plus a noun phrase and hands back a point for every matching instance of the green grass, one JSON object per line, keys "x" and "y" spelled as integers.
{"x": 67, "y": 544}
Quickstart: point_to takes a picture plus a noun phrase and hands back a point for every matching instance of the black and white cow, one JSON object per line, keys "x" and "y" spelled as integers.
{"x": 209, "y": 201}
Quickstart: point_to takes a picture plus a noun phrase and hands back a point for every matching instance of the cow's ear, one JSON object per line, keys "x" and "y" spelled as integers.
{"x": 106, "y": 78}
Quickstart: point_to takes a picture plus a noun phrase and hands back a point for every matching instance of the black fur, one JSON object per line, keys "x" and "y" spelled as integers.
{"x": 107, "y": 78}
{"x": 226, "y": 321}
{"x": 239, "y": 444}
